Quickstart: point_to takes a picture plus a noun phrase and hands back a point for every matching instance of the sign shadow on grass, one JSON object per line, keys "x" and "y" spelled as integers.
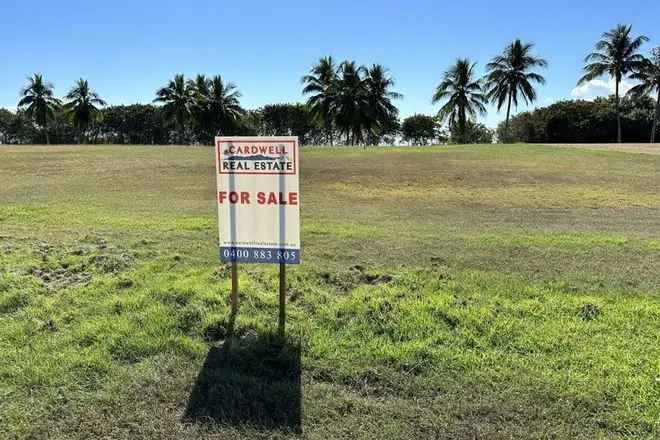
{"x": 251, "y": 381}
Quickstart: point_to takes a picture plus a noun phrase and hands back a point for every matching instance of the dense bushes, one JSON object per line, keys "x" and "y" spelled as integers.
{"x": 583, "y": 122}
{"x": 131, "y": 124}
{"x": 421, "y": 130}
{"x": 475, "y": 133}
{"x": 147, "y": 124}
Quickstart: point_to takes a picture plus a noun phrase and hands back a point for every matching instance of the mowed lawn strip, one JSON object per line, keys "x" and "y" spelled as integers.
{"x": 445, "y": 292}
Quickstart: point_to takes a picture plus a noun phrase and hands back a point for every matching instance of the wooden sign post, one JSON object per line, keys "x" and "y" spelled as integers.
{"x": 282, "y": 317}
{"x": 258, "y": 206}
{"x": 234, "y": 288}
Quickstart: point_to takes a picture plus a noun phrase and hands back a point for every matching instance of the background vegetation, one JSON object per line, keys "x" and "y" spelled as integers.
{"x": 583, "y": 121}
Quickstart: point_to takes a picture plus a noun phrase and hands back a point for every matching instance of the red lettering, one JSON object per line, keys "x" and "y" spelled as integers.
{"x": 254, "y": 149}
{"x": 234, "y": 197}
{"x": 273, "y": 198}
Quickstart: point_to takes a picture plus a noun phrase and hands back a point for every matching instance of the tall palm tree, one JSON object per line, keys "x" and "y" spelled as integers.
{"x": 383, "y": 114}
{"x": 321, "y": 84}
{"x": 81, "y": 105}
{"x": 223, "y": 103}
{"x": 509, "y": 74}
{"x": 616, "y": 55}
{"x": 463, "y": 96}
{"x": 648, "y": 75}
{"x": 39, "y": 102}
{"x": 216, "y": 105}
{"x": 200, "y": 113}
{"x": 352, "y": 101}
{"x": 178, "y": 98}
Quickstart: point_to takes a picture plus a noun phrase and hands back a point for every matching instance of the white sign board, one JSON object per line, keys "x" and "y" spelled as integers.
{"x": 258, "y": 199}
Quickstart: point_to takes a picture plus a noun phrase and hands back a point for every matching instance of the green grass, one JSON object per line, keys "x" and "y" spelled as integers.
{"x": 455, "y": 292}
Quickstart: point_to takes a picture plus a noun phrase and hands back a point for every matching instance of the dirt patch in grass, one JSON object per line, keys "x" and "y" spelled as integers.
{"x": 60, "y": 278}
{"x": 75, "y": 264}
{"x": 356, "y": 275}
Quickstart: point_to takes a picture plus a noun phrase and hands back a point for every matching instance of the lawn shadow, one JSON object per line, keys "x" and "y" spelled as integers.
{"x": 250, "y": 381}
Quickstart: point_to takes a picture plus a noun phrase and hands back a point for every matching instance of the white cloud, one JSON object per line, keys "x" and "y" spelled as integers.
{"x": 597, "y": 87}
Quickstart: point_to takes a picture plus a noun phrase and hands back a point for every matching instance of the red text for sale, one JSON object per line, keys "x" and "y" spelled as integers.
{"x": 260, "y": 198}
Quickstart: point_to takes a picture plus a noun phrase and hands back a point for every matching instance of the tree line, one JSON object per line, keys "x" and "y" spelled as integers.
{"x": 579, "y": 121}
{"x": 348, "y": 104}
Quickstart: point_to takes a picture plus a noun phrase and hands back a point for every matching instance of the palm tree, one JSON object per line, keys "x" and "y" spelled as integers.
{"x": 382, "y": 113}
{"x": 200, "y": 85}
{"x": 82, "y": 106}
{"x": 616, "y": 55}
{"x": 223, "y": 103}
{"x": 352, "y": 101}
{"x": 216, "y": 105}
{"x": 463, "y": 94}
{"x": 648, "y": 75}
{"x": 321, "y": 84}
{"x": 201, "y": 115}
{"x": 39, "y": 102}
{"x": 509, "y": 74}
{"x": 178, "y": 98}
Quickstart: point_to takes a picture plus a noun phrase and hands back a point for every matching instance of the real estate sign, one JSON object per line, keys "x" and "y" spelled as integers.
{"x": 258, "y": 199}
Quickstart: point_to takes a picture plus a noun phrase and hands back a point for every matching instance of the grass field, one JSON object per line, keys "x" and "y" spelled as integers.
{"x": 449, "y": 292}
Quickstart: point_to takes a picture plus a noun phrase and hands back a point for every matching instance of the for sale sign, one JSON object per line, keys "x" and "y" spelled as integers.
{"x": 258, "y": 199}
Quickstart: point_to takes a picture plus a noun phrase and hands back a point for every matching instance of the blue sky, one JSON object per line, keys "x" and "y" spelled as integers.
{"x": 127, "y": 49}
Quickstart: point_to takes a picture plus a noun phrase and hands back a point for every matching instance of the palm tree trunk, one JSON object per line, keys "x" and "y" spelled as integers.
{"x": 179, "y": 122}
{"x": 328, "y": 127}
{"x": 506, "y": 124}
{"x": 618, "y": 116}
{"x": 181, "y": 130}
{"x": 47, "y": 135}
{"x": 655, "y": 119}
{"x": 462, "y": 126}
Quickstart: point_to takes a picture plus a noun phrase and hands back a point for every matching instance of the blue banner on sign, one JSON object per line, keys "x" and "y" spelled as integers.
{"x": 260, "y": 255}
